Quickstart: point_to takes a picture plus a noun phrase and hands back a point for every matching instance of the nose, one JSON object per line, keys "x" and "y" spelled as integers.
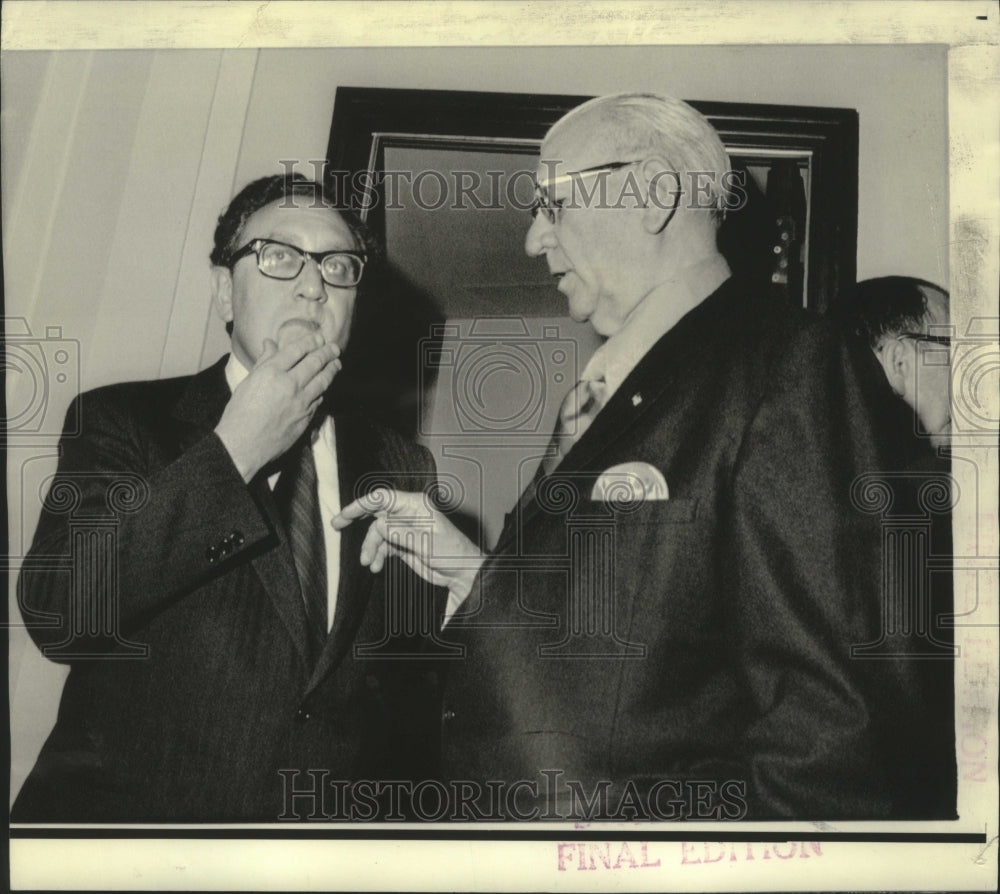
{"x": 540, "y": 237}
{"x": 309, "y": 283}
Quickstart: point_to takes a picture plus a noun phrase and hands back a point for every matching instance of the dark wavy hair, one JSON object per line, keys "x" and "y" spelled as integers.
{"x": 292, "y": 188}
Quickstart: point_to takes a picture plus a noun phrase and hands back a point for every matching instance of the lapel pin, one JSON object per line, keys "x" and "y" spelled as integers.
{"x": 636, "y": 399}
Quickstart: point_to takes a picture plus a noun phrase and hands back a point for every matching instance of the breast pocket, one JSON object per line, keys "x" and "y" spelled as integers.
{"x": 676, "y": 511}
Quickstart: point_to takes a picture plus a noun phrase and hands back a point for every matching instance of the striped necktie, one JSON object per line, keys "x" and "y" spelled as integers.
{"x": 297, "y": 500}
{"x": 576, "y": 413}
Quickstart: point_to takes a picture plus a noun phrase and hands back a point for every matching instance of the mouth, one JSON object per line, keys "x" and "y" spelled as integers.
{"x": 295, "y": 328}
{"x": 311, "y": 325}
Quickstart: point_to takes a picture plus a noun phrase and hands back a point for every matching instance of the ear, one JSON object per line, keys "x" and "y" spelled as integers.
{"x": 663, "y": 193}
{"x": 897, "y": 362}
{"x": 222, "y": 293}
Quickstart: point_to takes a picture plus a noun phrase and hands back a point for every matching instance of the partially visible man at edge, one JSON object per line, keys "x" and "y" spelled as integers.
{"x": 902, "y": 325}
{"x": 724, "y": 686}
{"x": 905, "y": 323}
{"x": 228, "y": 573}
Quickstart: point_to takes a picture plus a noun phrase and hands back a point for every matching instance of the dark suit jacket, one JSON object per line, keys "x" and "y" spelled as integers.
{"x": 705, "y": 639}
{"x": 914, "y": 693}
{"x": 191, "y": 682}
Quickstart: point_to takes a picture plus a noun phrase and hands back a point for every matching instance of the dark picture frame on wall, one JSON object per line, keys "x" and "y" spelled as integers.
{"x": 797, "y": 229}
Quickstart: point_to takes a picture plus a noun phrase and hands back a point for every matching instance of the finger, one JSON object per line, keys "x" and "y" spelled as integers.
{"x": 316, "y": 358}
{"x": 314, "y": 405}
{"x": 317, "y": 385}
{"x": 316, "y": 370}
{"x": 269, "y": 350}
{"x": 369, "y": 546}
{"x": 324, "y": 350}
{"x": 400, "y": 536}
{"x": 421, "y": 568}
{"x": 313, "y": 397}
{"x": 292, "y": 353}
{"x": 381, "y": 553}
{"x": 369, "y": 504}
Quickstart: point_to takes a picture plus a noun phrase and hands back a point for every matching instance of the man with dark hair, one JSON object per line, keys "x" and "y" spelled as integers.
{"x": 904, "y": 321}
{"x": 211, "y": 638}
{"x": 901, "y": 324}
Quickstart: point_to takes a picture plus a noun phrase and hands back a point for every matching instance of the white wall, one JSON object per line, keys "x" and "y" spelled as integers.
{"x": 115, "y": 165}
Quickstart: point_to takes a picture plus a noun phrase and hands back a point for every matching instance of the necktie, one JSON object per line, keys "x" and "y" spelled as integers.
{"x": 576, "y": 413}
{"x": 298, "y": 503}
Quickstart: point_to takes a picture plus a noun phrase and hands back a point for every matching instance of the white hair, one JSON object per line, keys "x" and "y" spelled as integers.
{"x": 640, "y": 124}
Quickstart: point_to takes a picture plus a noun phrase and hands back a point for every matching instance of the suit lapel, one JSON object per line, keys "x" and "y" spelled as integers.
{"x": 649, "y": 385}
{"x": 354, "y": 458}
{"x": 199, "y": 410}
{"x": 200, "y": 406}
{"x": 645, "y": 387}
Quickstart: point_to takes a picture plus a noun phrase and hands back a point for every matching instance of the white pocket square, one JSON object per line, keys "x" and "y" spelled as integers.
{"x": 630, "y": 483}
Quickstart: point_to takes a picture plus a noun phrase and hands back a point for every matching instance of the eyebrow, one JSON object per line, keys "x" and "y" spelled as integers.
{"x": 293, "y": 240}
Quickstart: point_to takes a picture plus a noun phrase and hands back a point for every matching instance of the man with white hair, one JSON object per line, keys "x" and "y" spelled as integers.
{"x": 664, "y": 627}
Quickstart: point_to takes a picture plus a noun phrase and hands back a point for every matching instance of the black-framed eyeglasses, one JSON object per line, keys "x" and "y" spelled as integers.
{"x": 551, "y": 207}
{"x": 924, "y": 336}
{"x": 279, "y": 260}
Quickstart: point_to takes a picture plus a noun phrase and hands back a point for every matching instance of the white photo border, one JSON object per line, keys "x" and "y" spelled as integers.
{"x": 159, "y": 861}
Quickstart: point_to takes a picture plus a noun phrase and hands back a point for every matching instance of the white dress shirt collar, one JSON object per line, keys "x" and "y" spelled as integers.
{"x": 236, "y": 372}
{"x": 651, "y": 319}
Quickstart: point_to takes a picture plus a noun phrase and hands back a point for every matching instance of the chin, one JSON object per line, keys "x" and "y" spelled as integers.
{"x": 941, "y": 438}
{"x": 580, "y": 314}
{"x": 605, "y": 326}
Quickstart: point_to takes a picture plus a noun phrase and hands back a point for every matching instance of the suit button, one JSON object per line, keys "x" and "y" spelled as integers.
{"x": 302, "y": 715}
{"x": 212, "y": 554}
{"x": 448, "y": 715}
{"x": 238, "y": 538}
